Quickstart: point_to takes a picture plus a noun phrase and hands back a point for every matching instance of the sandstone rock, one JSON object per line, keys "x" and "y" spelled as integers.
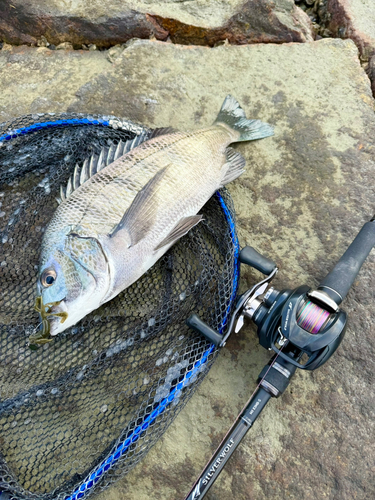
{"x": 305, "y": 194}
{"x": 199, "y": 22}
{"x": 354, "y": 19}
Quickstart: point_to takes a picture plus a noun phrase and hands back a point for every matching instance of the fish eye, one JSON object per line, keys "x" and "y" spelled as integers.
{"x": 48, "y": 277}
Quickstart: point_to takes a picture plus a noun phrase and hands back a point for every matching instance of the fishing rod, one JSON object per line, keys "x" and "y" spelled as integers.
{"x": 304, "y": 327}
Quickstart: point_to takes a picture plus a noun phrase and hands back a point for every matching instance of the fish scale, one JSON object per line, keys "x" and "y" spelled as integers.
{"x": 129, "y": 213}
{"x": 102, "y": 200}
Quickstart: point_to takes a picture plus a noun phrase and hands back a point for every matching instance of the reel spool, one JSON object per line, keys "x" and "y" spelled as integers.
{"x": 311, "y": 317}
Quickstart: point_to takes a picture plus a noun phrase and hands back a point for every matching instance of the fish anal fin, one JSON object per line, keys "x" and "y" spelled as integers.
{"x": 234, "y": 166}
{"x": 181, "y": 228}
{"x": 140, "y": 216}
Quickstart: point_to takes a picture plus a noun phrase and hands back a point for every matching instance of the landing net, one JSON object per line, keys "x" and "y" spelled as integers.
{"x": 82, "y": 410}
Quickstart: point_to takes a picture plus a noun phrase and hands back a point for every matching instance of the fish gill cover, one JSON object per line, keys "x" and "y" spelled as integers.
{"x": 80, "y": 412}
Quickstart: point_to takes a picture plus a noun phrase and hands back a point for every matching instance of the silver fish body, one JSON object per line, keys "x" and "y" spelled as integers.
{"x": 114, "y": 226}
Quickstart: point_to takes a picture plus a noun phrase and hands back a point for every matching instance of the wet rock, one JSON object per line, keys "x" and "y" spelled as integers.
{"x": 199, "y": 22}
{"x": 305, "y": 194}
{"x": 354, "y": 19}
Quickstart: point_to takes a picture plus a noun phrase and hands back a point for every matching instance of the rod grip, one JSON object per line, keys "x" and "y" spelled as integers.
{"x": 338, "y": 282}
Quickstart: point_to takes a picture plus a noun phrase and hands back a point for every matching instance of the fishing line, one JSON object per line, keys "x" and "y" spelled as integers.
{"x": 311, "y": 317}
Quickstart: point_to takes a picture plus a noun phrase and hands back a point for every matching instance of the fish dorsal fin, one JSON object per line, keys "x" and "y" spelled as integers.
{"x": 140, "y": 216}
{"x": 95, "y": 163}
{"x": 181, "y": 228}
{"x": 161, "y": 131}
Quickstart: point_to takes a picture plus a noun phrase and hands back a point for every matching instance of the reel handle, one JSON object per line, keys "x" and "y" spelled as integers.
{"x": 201, "y": 327}
{"x": 338, "y": 282}
{"x": 251, "y": 257}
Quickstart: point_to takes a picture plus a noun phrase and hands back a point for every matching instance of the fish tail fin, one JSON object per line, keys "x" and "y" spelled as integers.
{"x": 233, "y": 116}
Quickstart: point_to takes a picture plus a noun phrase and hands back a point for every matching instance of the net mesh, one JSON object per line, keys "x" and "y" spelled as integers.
{"x": 84, "y": 409}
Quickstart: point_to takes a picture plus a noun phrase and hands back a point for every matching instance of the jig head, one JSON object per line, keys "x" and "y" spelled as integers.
{"x": 45, "y": 310}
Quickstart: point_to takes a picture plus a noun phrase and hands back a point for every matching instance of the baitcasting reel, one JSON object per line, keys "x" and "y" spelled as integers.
{"x": 309, "y": 321}
{"x": 303, "y": 327}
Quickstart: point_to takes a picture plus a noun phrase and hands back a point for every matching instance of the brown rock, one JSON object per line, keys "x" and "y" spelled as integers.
{"x": 257, "y": 21}
{"x": 105, "y": 23}
{"x": 354, "y": 19}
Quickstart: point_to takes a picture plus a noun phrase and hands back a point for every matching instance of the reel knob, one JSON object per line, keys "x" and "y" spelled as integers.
{"x": 251, "y": 257}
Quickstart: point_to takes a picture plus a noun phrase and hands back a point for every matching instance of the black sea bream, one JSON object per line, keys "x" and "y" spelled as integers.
{"x": 113, "y": 226}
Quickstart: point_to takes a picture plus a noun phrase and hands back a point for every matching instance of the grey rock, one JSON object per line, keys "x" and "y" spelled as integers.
{"x": 41, "y": 80}
{"x": 305, "y": 194}
{"x": 105, "y": 23}
{"x": 114, "y": 52}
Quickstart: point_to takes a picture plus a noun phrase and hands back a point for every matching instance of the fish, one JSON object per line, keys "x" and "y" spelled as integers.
{"x": 123, "y": 210}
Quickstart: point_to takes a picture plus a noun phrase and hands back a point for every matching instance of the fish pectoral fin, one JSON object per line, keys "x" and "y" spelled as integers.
{"x": 233, "y": 167}
{"x": 140, "y": 216}
{"x": 181, "y": 228}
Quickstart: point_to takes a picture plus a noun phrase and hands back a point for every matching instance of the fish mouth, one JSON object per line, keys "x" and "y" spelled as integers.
{"x": 43, "y": 336}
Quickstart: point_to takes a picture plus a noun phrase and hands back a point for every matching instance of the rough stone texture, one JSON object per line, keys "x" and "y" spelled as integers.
{"x": 106, "y": 23}
{"x": 354, "y": 19}
{"x": 48, "y": 79}
{"x": 305, "y": 194}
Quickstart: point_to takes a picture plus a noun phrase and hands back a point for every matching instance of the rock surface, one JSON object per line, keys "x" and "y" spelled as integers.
{"x": 201, "y": 22}
{"x": 48, "y": 80}
{"x": 305, "y": 194}
{"x": 354, "y": 19}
